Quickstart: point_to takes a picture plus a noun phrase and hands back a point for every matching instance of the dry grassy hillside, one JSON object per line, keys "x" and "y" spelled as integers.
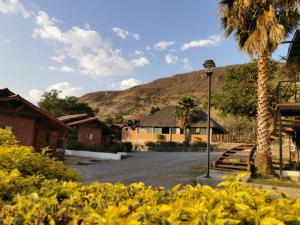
{"x": 137, "y": 101}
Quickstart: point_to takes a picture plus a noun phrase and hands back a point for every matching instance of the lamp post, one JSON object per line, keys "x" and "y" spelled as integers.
{"x": 208, "y": 65}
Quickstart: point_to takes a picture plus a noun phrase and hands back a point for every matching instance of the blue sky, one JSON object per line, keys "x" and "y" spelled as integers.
{"x": 83, "y": 46}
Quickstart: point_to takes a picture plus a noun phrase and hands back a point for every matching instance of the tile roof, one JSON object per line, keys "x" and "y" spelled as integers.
{"x": 8, "y": 96}
{"x": 166, "y": 118}
{"x": 86, "y": 120}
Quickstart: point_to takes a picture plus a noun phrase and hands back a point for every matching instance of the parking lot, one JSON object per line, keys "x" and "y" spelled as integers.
{"x": 153, "y": 168}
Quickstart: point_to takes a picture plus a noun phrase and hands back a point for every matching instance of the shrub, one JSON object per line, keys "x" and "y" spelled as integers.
{"x": 28, "y": 162}
{"x": 104, "y": 203}
{"x": 149, "y": 143}
{"x": 7, "y": 137}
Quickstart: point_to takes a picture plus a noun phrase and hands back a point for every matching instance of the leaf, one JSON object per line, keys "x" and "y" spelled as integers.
{"x": 270, "y": 221}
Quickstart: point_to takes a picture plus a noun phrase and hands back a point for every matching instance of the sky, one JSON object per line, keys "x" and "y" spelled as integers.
{"x": 85, "y": 46}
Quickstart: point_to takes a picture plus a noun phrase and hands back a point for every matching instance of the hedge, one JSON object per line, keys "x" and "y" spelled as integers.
{"x": 33, "y": 198}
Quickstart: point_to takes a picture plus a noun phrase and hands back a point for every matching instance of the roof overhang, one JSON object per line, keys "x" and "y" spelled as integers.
{"x": 294, "y": 49}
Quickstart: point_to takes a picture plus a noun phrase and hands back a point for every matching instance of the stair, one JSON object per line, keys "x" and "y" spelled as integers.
{"x": 228, "y": 161}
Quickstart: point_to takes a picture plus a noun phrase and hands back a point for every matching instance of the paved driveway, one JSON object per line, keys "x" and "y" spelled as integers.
{"x": 152, "y": 168}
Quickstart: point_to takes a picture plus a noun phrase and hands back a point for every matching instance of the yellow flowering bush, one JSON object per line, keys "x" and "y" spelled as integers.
{"x": 33, "y": 198}
{"x": 28, "y": 162}
{"x": 58, "y": 202}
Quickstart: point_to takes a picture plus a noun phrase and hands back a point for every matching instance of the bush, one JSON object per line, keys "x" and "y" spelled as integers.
{"x": 72, "y": 203}
{"x": 28, "y": 162}
{"x": 149, "y": 143}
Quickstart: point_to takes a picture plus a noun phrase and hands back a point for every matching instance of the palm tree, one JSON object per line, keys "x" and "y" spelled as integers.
{"x": 185, "y": 113}
{"x": 259, "y": 26}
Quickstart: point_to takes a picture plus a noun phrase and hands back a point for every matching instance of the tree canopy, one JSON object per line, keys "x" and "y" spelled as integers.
{"x": 185, "y": 113}
{"x": 56, "y": 106}
{"x": 238, "y": 96}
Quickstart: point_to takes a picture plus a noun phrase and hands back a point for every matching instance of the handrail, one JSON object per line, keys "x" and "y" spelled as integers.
{"x": 290, "y": 89}
{"x": 251, "y": 158}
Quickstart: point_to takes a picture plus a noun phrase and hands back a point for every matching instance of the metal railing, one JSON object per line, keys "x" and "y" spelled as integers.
{"x": 288, "y": 92}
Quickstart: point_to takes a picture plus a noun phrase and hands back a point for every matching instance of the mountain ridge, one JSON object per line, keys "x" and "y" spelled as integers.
{"x": 137, "y": 101}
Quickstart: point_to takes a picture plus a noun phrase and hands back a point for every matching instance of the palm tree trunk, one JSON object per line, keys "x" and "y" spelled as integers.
{"x": 263, "y": 159}
{"x": 186, "y": 135}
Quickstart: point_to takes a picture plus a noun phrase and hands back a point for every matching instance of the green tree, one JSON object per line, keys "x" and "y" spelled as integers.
{"x": 185, "y": 113}
{"x": 259, "y": 26}
{"x": 56, "y": 106}
{"x": 238, "y": 96}
{"x": 116, "y": 119}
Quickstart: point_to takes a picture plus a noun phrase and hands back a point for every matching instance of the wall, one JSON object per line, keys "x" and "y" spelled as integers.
{"x": 84, "y": 132}
{"x": 141, "y": 138}
{"x": 23, "y": 128}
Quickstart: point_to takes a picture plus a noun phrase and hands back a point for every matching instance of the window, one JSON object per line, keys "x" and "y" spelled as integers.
{"x": 203, "y": 130}
{"x": 197, "y": 131}
{"x": 165, "y": 130}
{"x": 173, "y": 130}
{"x": 91, "y": 136}
{"x": 157, "y": 130}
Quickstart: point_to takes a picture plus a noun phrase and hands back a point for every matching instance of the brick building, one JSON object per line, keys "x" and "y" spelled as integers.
{"x": 89, "y": 130}
{"x": 31, "y": 125}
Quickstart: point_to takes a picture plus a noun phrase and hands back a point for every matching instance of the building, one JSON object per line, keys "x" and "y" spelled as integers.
{"x": 163, "y": 126}
{"x": 89, "y": 130}
{"x": 30, "y": 124}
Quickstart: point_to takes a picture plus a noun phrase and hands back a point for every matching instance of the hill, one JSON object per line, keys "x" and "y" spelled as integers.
{"x": 137, "y": 101}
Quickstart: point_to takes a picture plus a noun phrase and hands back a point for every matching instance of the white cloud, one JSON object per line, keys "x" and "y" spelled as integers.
{"x": 138, "y": 52}
{"x": 58, "y": 58}
{"x": 213, "y": 41}
{"x": 35, "y": 95}
{"x": 171, "y": 59}
{"x": 142, "y": 61}
{"x": 94, "y": 55}
{"x": 162, "y": 45}
{"x": 122, "y": 33}
{"x": 7, "y": 41}
{"x": 136, "y": 36}
{"x": 13, "y": 7}
{"x": 67, "y": 69}
{"x": 125, "y": 84}
{"x": 64, "y": 87}
{"x": 148, "y": 48}
{"x": 52, "y": 68}
{"x": 186, "y": 64}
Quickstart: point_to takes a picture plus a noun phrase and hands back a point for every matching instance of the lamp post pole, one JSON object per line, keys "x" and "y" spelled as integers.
{"x": 208, "y": 65}
{"x": 209, "y": 74}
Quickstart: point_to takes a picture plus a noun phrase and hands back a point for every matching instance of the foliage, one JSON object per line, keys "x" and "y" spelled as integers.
{"x": 56, "y": 106}
{"x": 185, "y": 113}
{"x": 104, "y": 203}
{"x": 118, "y": 118}
{"x": 259, "y": 26}
{"x": 154, "y": 110}
{"x": 7, "y": 138}
{"x": 28, "y": 162}
{"x": 238, "y": 96}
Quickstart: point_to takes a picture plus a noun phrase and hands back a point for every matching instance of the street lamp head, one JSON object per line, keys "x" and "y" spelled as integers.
{"x": 209, "y": 65}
